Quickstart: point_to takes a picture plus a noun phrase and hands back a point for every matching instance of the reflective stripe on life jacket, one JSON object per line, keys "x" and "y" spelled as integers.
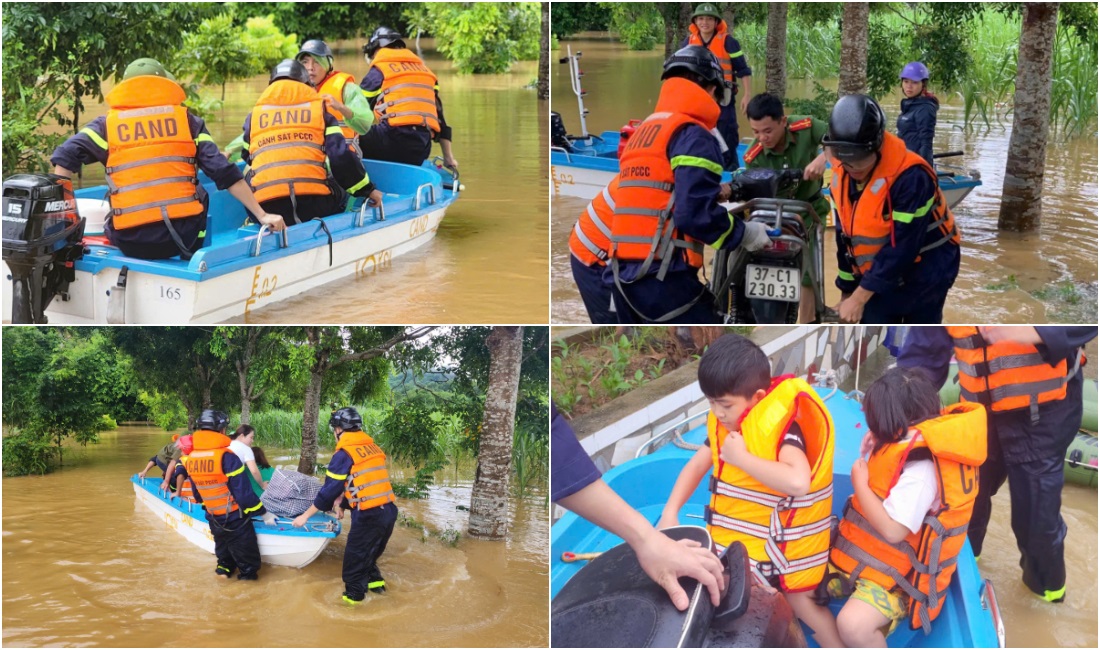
{"x": 1008, "y": 376}
{"x": 867, "y": 223}
{"x": 407, "y": 94}
{"x": 204, "y": 466}
{"x": 923, "y": 564}
{"x": 717, "y": 46}
{"x": 150, "y": 154}
{"x": 287, "y": 143}
{"x": 333, "y": 85}
{"x": 786, "y": 536}
{"x": 368, "y": 482}
{"x": 590, "y": 240}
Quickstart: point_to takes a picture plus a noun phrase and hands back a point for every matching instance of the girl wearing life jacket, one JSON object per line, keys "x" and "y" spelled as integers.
{"x": 768, "y": 455}
{"x": 911, "y": 506}
{"x": 919, "y": 111}
{"x": 358, "y": 477}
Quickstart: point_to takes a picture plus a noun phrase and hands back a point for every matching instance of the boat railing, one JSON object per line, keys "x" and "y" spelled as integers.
{"x": 264, "y": 229}
{"x": 440, "y": 163}
{"x": 379, "y": 213}
{"x": 649, "y": 446}
{"x": 430, "y": 195}
{"x": 564, "y": 151}
{"x": 988, "y": 602}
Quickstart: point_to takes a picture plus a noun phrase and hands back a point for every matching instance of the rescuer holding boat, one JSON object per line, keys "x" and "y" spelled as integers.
{"x": 343, "y": 99}
{"x": 404, "y": 94}
{"x": 1029, "y": 380}
{"x": 152, "y": 148}
{"x": 897, "y": 245}
{"x": 222, "y": 487}
{"x": 287, "y": 137}
{"x": 709, "y": 30}
{"x": 357, "y": 475}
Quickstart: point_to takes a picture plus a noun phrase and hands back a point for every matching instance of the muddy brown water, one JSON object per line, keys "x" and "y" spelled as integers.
{"x": 84, "y": 564}
{"x": 488, "y": 261}
{"x": 1049, "y": 275}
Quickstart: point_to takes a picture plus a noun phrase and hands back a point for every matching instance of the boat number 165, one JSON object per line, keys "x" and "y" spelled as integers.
{"x": 170, "y": 293}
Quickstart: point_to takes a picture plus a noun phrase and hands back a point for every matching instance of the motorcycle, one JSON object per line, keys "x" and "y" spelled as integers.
{"x": 764, "y": 286}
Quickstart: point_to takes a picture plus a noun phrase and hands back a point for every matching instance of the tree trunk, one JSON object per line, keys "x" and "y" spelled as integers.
{"x": 308, "y": 463}
{"x": 488, "y": 512}
{"x": 543, "y": 54}
{"x": 728, "y": 14}
{"x": 1021, "y": 202}
{"x": 776, "y": 49}
{"x": 670, "y": 13}
{"x": 854, "y": 36}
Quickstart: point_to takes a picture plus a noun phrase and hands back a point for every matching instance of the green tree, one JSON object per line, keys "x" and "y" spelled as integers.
{"x": 481, "y": 37}
{"x": 267, "y": 45}
{"x": 638, "y": 24}
{"x": 330, "y": 21}
{"x": 27, "y": 352}
{"x": 572, "y": 17}
{"x": 215, "y": 53}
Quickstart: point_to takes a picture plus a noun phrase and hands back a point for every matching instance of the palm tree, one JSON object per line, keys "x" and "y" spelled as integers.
{"x": 854, "y": 36}
{"x": 488, "y": 512}
{"x": 776, "y": 49}
{"x": 1021, "y": 203}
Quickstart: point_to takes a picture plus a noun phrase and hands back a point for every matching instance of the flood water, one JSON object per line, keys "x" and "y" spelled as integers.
{"x": 1049, "y": 275}
{"x": 86, "y": 565}
{"x": 488, "y": 261}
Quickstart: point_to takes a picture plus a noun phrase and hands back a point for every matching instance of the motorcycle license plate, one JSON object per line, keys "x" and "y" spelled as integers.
{"x": 773, "y": 283}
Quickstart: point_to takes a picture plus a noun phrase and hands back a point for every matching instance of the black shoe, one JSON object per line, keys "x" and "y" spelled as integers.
{"x": 378, "y": 590}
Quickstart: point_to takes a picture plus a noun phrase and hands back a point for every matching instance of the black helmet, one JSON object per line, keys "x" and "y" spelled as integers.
{"x": 347, "y": 419}
{"x": 317, "y": 48}
{"x": 289, "y": 69}
{"x": 702, "y": 62}
{"x": 856, "y": 128}
{"x": 382, "y": 37}
{"x": 212, "y": 420}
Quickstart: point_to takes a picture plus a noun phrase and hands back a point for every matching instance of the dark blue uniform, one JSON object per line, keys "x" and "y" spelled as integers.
{"x": 345, "y": 171}
{"x": 235, "y": 543}
{"x": 369, "y": 535}
{"x": 726, "y": 124}
{"x": 153, "y": 241}
{"x": 410, "y": 145}
{"x": 571, "y": 467}
{"x": 904, "y": 291}
{"x": 696, "y": 213}
{"x": 916, "y": 125}
{"x": 1029, "y": 455}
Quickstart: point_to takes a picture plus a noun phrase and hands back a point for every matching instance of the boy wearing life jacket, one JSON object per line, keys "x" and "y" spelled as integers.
{"x": 152, "y": 148}
{"x": 905, "y": 525}
{"x": 1029, "y": 380}
{"x": 343, "y": 99}
{"x": 358, "y": 476}
{"x": 219, "y": 482}
{"x": 769, "y": 453}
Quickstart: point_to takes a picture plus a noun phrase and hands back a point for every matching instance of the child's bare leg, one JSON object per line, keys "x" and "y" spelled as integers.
{"x": 818, "y": 618}
{"x": 860, "y": 625}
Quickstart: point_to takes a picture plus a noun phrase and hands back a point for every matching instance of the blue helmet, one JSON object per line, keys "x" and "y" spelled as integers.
{"x": 347, "y": 419}
{"x": 915, "y": 71}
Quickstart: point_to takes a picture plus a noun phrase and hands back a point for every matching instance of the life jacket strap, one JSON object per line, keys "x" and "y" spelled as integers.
{"x": 722, "y": 488}
{"x": 655, "y": 185}
{"x": 587, "y": 243}
{"x": 150, "y": 161}
{"x": 594, "y": 216}
{"x": 115, "y": 190}
{"x": 287, "y": 163}
{"x": 155, "y": 204}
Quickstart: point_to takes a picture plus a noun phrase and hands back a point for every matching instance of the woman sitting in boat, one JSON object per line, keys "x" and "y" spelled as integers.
{"x": 287, "y": 138}
{"x": 152, "y": 148}
{"x": 217, "y": 476}
{"x": 265, "y": 470}
{"x": 241, "y": 445}
{"x": 919, "y": 111}
{"x": 769, "y": 450}
{"x": 912, "y": 501}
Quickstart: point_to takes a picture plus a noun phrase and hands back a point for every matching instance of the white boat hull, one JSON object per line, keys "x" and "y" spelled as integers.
{"x": 280, "y": 550}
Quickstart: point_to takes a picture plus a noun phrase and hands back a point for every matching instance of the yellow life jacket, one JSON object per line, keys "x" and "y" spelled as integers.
{"x": 785, "y": 536}
{"x": 368, "y": 482}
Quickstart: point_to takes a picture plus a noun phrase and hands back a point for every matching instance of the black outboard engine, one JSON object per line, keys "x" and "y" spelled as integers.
{"x": 42, "y": 239}
{"x": 559, "y": 136}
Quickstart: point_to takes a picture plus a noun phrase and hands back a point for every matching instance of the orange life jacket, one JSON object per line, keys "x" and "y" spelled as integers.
{"x": 186, "y": 491}
{"x": 368, "y": 483}
{"x": 643, "y": 229}
{"x": 867, "y": 223}
{"x": 407, "y": 94}
{"x": 333, "y": 85}
{"x": 922, "y": 565}
{"x": 786, "y": 536}
{"x": 287, "y": 142}
{"x": 717, "y": 46}
{"x": 1008, "y": 376}
{"x": 150, "y": 153}
{"x": 590, "y": 241}
{"x": 205, "y": 469}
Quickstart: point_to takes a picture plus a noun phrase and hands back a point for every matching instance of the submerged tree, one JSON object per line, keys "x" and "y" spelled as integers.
{"x": 853, "y": 51}
{"x": 544, "y": 54}
{"x": 776, "y": 49}
{"x": 488, "y": 516}
{"x": 1021, "y": 203}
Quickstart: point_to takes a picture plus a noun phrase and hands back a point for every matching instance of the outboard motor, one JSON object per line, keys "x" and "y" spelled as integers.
{"x": 559, "y": 135}
{"x": 42, "y": 239}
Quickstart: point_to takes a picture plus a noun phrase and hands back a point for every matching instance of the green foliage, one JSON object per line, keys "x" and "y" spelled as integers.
{"x": 27, "y": 352}
{"x": 568, "y": 18}
{"x": 411, "y": 431}
{"x": 481, "y": 37}
{"x": 330, "y": 21}
{"x": 638, "y": 24}
{"x": 165, "y": 410}
{"x": 26, "y": 452}
{"x": 529, "y": 461}
{"x": 267, "y": 45}
{"x": 1075, "y": 84}
{"x": 71, "y": 397}
{"x": 418, "y": 486}
{"x": 820, "y": 106}
{"x": 215, "y": 53}
{"x": 885, "y": 58}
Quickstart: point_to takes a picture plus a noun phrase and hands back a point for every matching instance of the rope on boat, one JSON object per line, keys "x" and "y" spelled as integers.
{"x": 678, "y": 441}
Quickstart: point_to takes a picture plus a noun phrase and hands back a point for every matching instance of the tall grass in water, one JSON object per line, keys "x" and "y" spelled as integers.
{"x": 812, "y": 51}
{"x": 529, "y": 462}
{"x": 1074, "y": 108}
{"x": 988, "y": 86}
